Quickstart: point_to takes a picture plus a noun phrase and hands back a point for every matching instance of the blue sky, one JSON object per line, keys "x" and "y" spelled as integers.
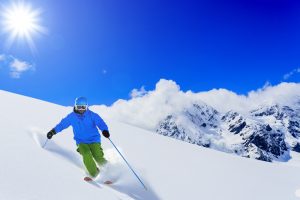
{"x": 103, "y": 49}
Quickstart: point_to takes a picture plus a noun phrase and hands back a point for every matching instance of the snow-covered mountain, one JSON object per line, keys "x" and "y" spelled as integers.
{"x": 170, "y": 169}
{"x": 195, "y": 124}
{"x": 267, "y": 133}
{"x": 264, "y": 124}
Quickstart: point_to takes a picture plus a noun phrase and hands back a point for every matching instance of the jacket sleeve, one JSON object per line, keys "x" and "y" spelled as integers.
{"x": 100, "y": 122}
{"x": 63, "y": 124}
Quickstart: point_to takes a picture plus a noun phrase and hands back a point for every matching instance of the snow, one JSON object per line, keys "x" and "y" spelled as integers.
{"x": 170, "y": 169}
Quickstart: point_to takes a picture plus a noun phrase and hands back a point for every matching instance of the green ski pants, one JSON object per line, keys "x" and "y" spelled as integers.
{"x": 91, "y": 153}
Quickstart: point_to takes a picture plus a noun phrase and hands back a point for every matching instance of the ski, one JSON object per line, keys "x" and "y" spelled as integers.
{"x": 89, "y": 179}
{"x": 108, "y": 185}
{"x": 108, "y": 182}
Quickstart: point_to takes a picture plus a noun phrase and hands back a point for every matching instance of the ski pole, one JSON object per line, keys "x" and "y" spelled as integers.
{"x": 45, "y": 143}
{"x": 128, "y": 164}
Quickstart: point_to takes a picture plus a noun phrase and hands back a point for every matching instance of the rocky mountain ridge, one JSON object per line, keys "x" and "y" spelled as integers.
{"x": 267, "y": 133}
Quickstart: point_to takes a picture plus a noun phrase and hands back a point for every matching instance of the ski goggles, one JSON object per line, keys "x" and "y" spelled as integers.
{"x": 81, "y": 107}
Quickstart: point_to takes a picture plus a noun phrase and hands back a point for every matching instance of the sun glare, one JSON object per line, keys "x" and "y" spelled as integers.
{"x": 20, "y": 21}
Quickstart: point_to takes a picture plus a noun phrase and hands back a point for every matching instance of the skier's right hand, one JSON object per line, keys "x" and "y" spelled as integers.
{"x": 51, "y": 133}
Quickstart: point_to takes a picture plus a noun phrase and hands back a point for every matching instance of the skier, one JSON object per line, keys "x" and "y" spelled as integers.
{"x": 86, "y": 135}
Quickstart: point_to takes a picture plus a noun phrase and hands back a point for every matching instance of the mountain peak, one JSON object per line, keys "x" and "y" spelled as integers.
{"x": 266, "y": 133}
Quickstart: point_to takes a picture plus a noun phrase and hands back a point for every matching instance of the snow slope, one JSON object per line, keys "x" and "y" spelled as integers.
{"x": 170, "y": 169}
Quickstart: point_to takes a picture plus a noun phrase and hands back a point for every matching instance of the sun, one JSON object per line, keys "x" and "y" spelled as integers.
{"x": 20, "y": 21}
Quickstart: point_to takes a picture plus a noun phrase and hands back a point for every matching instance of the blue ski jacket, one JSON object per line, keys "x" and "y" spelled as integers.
{"x": 84, "y": 126}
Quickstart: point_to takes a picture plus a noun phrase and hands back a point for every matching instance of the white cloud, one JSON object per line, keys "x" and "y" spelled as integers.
{"x": 224, "y": 100}
{"x": 138, "y": 92}
{"x": 17, "y": 67}
{"x": 146, "y": 108}
{"x": 291, "y": 73}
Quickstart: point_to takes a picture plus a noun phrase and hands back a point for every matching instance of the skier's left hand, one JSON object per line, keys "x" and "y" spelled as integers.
{"x": 105, "y": 133}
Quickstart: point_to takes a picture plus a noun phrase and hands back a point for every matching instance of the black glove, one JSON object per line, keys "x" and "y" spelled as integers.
{"x": 105, "y": 133}
{"x": 50, "y": 134}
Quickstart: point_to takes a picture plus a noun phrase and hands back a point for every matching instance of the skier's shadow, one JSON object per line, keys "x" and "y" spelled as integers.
{"x": 138, "y": 194}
